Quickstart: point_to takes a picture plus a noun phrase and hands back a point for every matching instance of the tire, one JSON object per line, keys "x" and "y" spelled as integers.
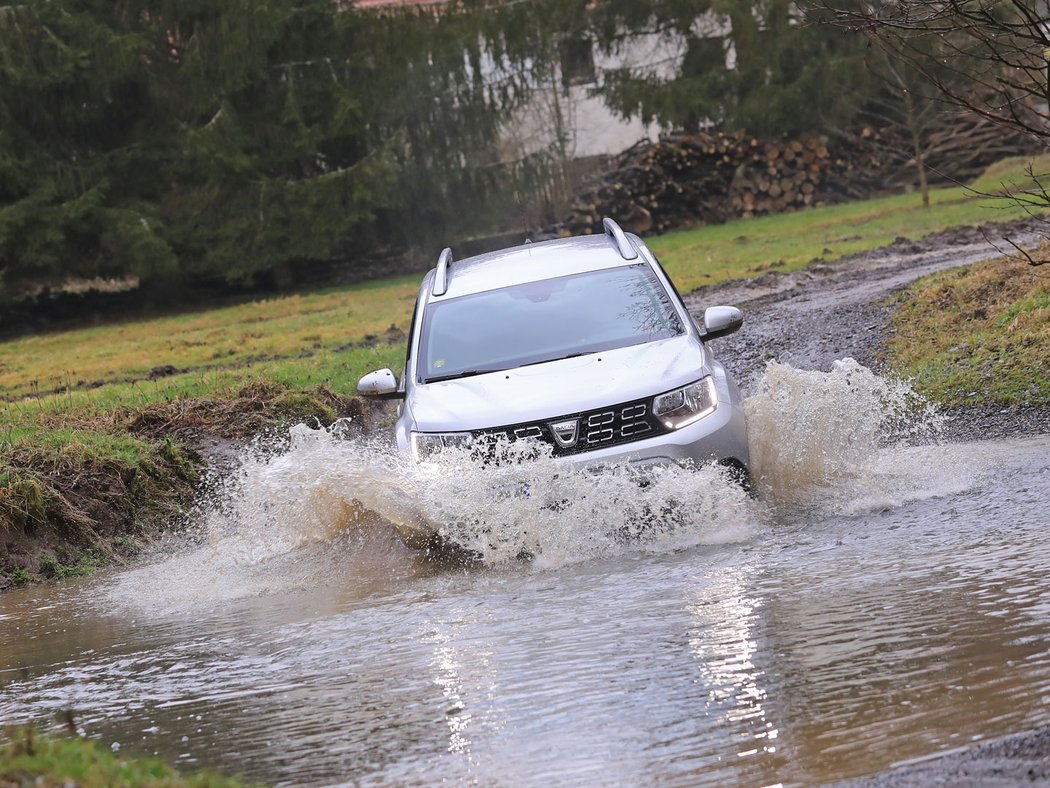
{"x": 740, "y": 474}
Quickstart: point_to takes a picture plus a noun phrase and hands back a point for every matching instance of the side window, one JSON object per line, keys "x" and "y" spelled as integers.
{"x": 678, "y": 295}
{"x": 408, "y": 351}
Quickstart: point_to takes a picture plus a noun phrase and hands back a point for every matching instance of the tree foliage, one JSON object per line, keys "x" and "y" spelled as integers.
{"x": 760, "y": 66}
{"x": 80, "y": 137}
{"x": 229, "y": 140}
{"x": 275, "y": 162}
{"x": 237, "y": 141}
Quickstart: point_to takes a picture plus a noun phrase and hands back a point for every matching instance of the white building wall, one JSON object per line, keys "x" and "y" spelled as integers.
{"x": 589, "y": 127}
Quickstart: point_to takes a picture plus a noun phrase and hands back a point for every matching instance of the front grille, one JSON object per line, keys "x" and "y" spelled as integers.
{"x": 595, "y": 429}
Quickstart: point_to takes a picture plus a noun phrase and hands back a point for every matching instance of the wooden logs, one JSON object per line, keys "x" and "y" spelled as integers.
{"x": 709, "y": 177}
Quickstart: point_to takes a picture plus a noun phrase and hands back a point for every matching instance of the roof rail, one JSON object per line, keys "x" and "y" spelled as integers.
{"x": 441, "y": 276}
{"x": 623, "y": 246}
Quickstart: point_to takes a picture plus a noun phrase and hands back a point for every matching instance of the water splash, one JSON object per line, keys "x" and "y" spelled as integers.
{"x": 556, "y": 513}
{"x": 324, "y": 508}
{"x": 295, "y": 513}
{"x": 847, "y": 441}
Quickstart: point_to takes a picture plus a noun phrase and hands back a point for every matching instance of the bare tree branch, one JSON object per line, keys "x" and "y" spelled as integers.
{"x": 989, "y": 58}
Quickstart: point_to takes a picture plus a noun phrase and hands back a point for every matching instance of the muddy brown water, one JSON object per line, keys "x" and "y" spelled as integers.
{"x": 879, "y": 601}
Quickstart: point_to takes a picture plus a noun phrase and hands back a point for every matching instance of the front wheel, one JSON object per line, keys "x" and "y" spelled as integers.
{"x": 739, "y": 473}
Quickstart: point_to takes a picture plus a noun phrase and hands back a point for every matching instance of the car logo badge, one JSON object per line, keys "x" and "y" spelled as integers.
{"x": 566, "y": 432}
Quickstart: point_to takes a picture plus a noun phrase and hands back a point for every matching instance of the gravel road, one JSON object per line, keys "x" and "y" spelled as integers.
{"x": 832, "y": 310}
{"x": 1021, "y": 759}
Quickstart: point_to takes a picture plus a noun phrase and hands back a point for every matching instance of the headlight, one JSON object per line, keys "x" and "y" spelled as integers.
{"x": 689, "y": 404}
{"x": 427, "y": 444}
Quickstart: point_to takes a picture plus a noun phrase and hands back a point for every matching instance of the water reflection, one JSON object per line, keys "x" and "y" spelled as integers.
{"x": 456, "y": 666}
{"x": 726, "y": 618}
{"x": 926, "y": 643}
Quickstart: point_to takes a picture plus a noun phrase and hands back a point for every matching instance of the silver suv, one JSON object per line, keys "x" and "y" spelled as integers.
{"x": 582, "y": 344}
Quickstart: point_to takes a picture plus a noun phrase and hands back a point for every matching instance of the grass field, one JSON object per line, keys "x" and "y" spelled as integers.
{"x": 746, "y": 248}
{"x": 245, "y": 337}
{"x": 87, "y": 425}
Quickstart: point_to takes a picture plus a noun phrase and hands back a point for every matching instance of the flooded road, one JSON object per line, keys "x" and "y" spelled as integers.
{"x": 876, "y": 603}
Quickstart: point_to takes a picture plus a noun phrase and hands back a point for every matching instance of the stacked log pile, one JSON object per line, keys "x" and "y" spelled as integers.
{"x": 704, "y": 178}
{"x": 780, "y": 176}
{"x": 955, "y": 151}
{"x": 709, "y": 177}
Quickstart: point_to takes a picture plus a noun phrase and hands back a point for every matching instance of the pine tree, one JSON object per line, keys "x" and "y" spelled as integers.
{"x": 275, "y": 168}
{"x": 80, "y": 141}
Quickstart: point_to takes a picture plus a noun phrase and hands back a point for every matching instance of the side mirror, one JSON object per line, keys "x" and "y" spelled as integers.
{"x": 720, "y": 321}
{"x": 381, "y": 384}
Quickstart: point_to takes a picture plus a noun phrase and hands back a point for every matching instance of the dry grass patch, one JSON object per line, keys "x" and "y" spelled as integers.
{"x": 978, "y": 334}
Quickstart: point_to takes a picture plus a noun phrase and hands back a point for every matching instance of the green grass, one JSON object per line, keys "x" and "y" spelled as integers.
{"x": 87, "y": 563}
{"x": 20, "y": 577}
{"x": 29, "y": 759}
{"x": 979, "y": 334}
{"x": 74, "y": 446}
{"x": 335, "y": 370}
{"x": 747, "y": 247}
{"x": 204, "y": 343}
{"x": 1011, "y": 176}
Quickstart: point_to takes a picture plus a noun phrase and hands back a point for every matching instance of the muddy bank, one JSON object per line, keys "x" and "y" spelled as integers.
{"x": 125, "y": 476}
{"x": 831, "y": 310}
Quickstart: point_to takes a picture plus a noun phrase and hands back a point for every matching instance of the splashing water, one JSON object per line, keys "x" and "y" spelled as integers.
{"x": 847, "y": 441}
{"x": 325, "y": 508}
{"x": 558, "y": 513}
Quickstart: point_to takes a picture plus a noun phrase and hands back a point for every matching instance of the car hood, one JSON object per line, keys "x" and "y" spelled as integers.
{"x": 557, "y": 388}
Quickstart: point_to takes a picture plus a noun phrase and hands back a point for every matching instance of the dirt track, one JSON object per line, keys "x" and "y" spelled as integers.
{"x": 829, "y": 311}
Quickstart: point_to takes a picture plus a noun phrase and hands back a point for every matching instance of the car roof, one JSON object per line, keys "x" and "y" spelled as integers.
{"x": 532, "y": 262}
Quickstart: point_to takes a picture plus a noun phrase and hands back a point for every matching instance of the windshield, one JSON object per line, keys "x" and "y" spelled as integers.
{"x": 543, "y": 321}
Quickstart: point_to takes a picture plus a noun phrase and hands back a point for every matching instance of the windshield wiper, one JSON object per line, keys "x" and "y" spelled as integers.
{"x": 559, "y": 358}
{"x": 465, "y": 374}
{"x": 471, "y": 372}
